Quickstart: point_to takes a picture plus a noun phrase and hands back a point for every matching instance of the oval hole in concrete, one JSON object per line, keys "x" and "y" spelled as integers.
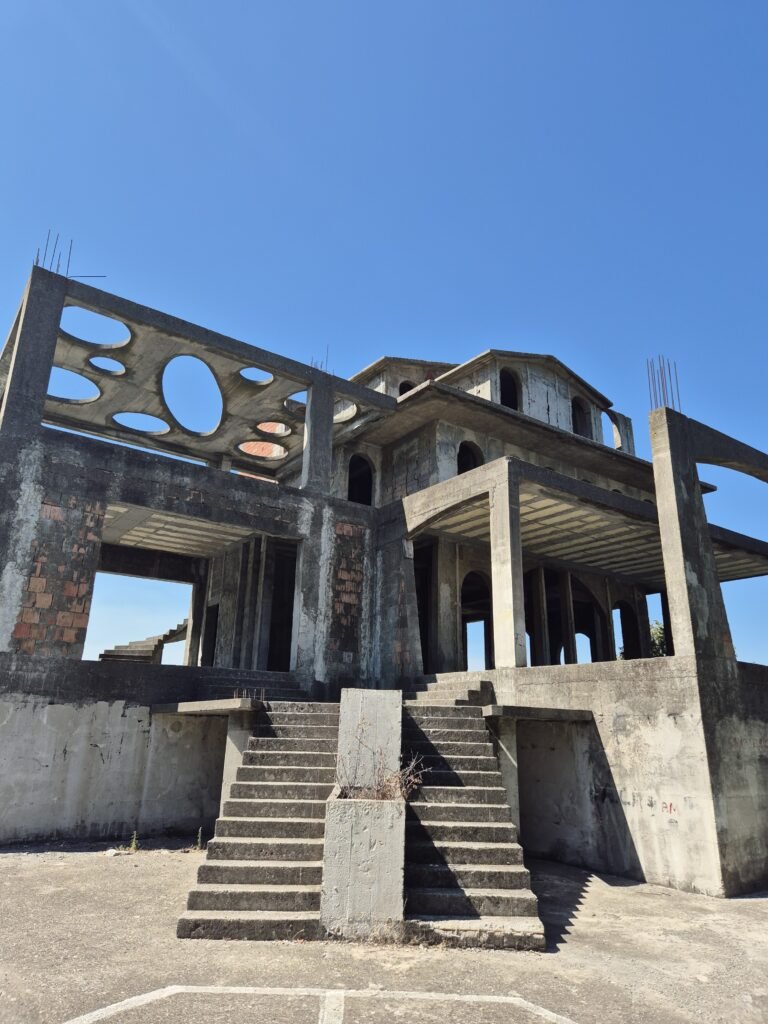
{"x": 106, "y": 365}
{"x": 273, "y": 427}
{"x": 142, "y": 422}
{"x": 94, "y": 328}
{"x": 69, "y": 386}
{"x": 263, "y": 450}
{"x": 256, "y": 376}
{"x": 192, "y": 394}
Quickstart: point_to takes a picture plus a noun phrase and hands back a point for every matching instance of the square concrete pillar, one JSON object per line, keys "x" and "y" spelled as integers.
{"x": 317, "y": 460}
{"x": 240, "y": 726}
{"x": 507, "y": 573}
{"x": 540, "y": 639}
{"x": 567, "y": 618}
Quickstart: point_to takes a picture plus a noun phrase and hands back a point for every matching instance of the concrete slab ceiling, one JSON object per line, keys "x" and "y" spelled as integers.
{"x": 132, "y": 526}
{"x": 560, "y": 529}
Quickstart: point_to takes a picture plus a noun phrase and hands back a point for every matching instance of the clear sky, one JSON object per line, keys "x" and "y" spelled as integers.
{"x": 429, "y": 178}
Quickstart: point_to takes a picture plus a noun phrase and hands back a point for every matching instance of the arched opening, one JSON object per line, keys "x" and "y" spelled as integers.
{"x": 405, "y": 387}
{"x": 628, "y": 632}
{"x": 360, "y": 485}
{"x": 509, "y": 390}
{"x": 468, "y": 457}
{"x": 591, "y": 622}
{"x": 476, "y": 622}
{"x": 580, "y": 418}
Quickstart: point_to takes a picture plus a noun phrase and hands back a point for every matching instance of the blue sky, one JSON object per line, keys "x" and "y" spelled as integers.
{"x": 430, "y": 178}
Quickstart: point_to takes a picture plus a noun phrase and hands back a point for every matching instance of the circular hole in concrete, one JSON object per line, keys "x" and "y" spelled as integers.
{"x": 344, "y": 411}
{"x": 273, "y": 427}
{"x": 94, "y": 328}
{"x": 256, "y": 376}
{"x": 68, "y": 386}
{"x": 142, "y": 422}
{"x": 192, "y": 394}
{"x": 263, "y": 450}
{"x": 296, "y": 404}
{"x": 112, "y": 366}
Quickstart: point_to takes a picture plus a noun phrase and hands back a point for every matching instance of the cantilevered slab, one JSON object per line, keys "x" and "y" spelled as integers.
{"x": 537, "y": 714}
{"x": 208, "y": 707}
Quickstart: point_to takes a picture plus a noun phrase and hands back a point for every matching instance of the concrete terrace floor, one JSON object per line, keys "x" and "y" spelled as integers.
{"x": 81, "y": 931}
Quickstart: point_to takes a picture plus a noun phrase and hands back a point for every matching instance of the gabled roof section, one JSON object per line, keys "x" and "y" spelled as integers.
{"x": 526, "y": 357}
{"x": 384, "y": 361}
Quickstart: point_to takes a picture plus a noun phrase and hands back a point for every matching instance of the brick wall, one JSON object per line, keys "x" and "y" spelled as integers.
{"x": 56, "y": 602}
{"x": 347, "y": 582}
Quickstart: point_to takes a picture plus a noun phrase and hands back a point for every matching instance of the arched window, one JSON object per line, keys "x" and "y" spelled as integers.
{"x": 360, "y": 487}
{"x": 405, "y": 387}
{"x": 509, "y": 390}
{"x": 468, "y": 457}
{"x": 581, "y": 419}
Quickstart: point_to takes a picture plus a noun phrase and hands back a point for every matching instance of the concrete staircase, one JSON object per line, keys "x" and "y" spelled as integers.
{"x": 465, "y": 882}
{"x": 451, "y": 688}
{"x": 262, "y": 874}
{"x": 148, "y": 651}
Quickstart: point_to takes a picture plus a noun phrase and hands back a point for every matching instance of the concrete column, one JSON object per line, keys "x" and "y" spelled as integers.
{"x": 643, "y": 624}
{"x": 567, "y": 618}
{"x": 507, "y": 574}
{"x": 317, "y": 461}
{"x": 540, "y": 640}
{"x": 447, "y": 599}
{"x": 240, "y": 726}
{"x": 25, "y": 392}
{"x": 696, "y": 607}
{"x": 196, "y": 616}
{"x": 611, "y": 652}
{"x": 668, "y": 638}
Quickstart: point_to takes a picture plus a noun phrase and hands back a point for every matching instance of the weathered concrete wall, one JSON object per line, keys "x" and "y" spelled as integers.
{"x": 104, "y": 768}
{"x": 363, "y": 864}
{"x": 409, "y": 465}
{"x": 646, "y": 761}
{"x": 396, "y": 643}
{"x": 370, "y": 729}
{"x": 364, "y": 851}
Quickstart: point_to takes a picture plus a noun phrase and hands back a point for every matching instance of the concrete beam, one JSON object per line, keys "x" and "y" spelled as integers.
{"x": 507, "y": 573}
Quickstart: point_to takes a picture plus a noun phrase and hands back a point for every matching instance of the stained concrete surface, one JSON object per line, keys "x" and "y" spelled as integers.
{"x": 80, "y": 931}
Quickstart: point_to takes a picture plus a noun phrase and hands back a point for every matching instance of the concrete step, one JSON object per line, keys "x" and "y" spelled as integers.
{"x": 467, "y": 876}
{"x": 425, "y": 748}
{"x": 461, "y": 831}
{"x": 454, "y": 794}
{"x": 255, "y": 897}
{"x": 471, "y": 902}
{"x": 417, "y": 712}
{"x": 302, "y": 718}
{"x": 424, "y": 722}
{"x": 453, "y": 852}
{"x": 523, "y": 933}
{"x": 293, "y": 828}
{"x": 249, "y": 924}
{"x": 260, "y": 872}
{"x": 308, "y": 730}
{"x": 287, "y": 773}
{"x": 284, "y": 790}
{"x": 441, "y": 777}
{"x": 459, "y": 763}
{"x": 264, "y": 744}
{"x": 271, "y": 808}
{"x": 307, "y": 707}
{"x": 429, "y": 811}
{"x": 436, "y": 737}
{"x": 291, "y": 758}
{"x": 265, "y": 848}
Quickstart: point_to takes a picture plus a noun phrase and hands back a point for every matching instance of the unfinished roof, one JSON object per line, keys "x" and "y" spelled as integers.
{"x": 450, "y": 376}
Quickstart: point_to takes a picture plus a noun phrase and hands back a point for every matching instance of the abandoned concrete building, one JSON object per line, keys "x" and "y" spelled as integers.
{"x": 343, "y": 540}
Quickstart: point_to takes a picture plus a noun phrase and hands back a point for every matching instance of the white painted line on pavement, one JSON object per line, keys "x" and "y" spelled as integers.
{"x": 332, "y": 1008}
{"x": 333, "y": 1000}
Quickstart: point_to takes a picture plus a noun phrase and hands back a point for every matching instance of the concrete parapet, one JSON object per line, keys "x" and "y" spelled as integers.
{"x": 364, "y": 854}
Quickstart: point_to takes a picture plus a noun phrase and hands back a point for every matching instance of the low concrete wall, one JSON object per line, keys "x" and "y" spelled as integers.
{"x": 363, "y": 864}
{"x": 364, "y": 851}
{"x": 370, "y": 727}
{"x": 632, "y": 795}
{"x": 104, "y": 769}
